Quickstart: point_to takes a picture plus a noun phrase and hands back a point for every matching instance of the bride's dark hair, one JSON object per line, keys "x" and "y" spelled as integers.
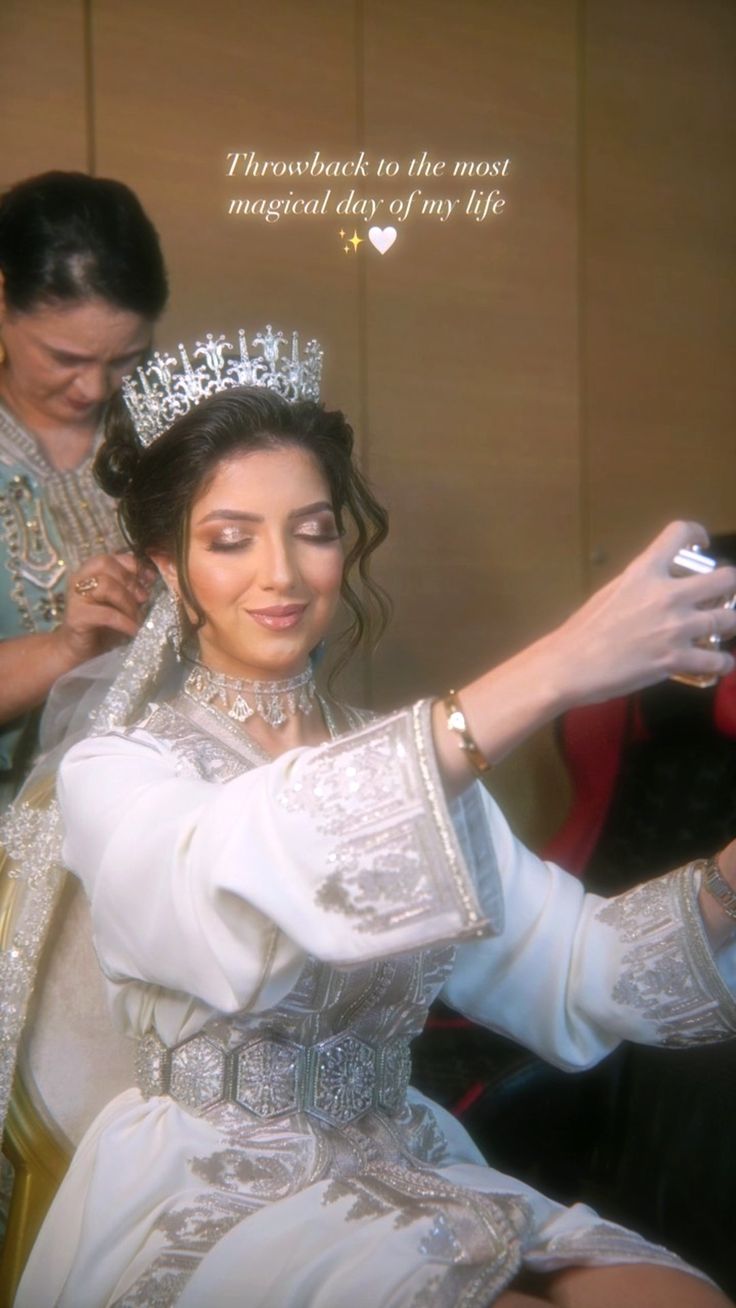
{"x": 156, "y": 486}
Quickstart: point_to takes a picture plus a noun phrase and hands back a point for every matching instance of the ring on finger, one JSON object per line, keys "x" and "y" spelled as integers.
{"x": 86, "y": 585}
{"x": 713, "y": 637}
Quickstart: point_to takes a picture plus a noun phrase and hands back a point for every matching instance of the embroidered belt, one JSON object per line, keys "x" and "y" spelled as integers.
{"x": 337, "y": 1080}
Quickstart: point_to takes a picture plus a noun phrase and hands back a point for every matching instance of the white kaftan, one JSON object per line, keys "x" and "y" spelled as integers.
{"x": 292, "y": 922}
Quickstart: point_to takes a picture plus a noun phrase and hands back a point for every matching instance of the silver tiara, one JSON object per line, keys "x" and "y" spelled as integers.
{"x": 166, "y": 388}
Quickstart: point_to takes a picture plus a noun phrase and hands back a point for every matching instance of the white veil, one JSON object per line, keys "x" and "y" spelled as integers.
{"x": 101, "y": 696}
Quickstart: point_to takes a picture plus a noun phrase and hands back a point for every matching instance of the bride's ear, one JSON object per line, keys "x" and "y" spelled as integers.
{"x": 169, "y": 575}
{"x": 167, "y": 570}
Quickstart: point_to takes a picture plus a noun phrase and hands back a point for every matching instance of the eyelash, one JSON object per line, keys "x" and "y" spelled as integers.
{"x": 228, "y": 547}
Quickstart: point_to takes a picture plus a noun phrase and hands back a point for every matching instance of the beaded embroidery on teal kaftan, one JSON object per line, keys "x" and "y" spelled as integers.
{"x": 50, "y": 522}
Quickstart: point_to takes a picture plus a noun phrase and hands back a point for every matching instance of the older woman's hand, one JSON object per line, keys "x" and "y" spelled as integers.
{"x": 106, "y": 600}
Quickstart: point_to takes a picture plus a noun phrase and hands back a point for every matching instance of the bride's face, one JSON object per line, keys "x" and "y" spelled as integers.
{"x": 265, "y": 563}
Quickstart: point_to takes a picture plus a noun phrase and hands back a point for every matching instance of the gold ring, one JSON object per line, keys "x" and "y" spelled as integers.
{"x": 86, "y": 585}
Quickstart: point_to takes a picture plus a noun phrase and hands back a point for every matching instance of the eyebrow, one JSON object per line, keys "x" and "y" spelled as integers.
{"x": 61, "y": 353}
{"x": 238, "y": 515}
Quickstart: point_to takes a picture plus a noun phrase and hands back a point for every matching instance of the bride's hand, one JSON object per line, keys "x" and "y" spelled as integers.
{"x": 643, "y": 626}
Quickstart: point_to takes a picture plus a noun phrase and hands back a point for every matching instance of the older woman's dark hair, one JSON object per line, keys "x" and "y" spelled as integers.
{"x": 157, "y": 486}
{"x": 67, "y": 238}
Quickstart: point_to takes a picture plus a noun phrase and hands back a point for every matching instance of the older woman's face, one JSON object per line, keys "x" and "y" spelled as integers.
{"x": 265, "y": 563}
{"x": 63, "y": 362}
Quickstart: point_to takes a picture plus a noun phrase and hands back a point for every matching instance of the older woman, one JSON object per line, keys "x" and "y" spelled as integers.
{"x": 82, "y": 282}
{"x": 279, "y": 888}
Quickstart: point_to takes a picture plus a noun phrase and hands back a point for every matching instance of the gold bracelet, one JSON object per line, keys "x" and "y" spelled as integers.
{"x": 718, "y": 887}
{"x": 456, "y": 722}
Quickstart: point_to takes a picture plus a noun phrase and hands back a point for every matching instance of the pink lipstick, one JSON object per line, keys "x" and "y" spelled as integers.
{"x": 279, "y": 617}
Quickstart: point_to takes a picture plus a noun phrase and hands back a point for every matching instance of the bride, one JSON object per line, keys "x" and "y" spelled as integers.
{"x": 280, "y": 886}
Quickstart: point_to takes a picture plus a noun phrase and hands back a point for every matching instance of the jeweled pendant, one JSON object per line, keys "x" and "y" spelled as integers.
{"x": 200, "y": 684}
{"x": 239, "y": 711}
{"x": 305, "y": 699}
{"x": 269, "y": 708}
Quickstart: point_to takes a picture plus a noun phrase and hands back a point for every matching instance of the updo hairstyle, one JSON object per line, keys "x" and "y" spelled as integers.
{"x": 156, "y": 486}
{"x": 68, "y": 238}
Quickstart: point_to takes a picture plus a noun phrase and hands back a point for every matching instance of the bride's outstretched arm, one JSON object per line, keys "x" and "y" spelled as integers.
{"x": 640, "y": 628}
{"x": 637, "y": 630}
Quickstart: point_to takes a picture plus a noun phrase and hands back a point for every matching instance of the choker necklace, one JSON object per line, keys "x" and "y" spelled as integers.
{"x": 273, "y": 701}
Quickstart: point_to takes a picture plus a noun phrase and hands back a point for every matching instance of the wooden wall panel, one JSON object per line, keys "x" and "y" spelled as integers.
{"x": 177, "y": 91}
{"x": 42, "y": 88}
{"x": 660, "y": 256}
{"x": 471, "y": 337}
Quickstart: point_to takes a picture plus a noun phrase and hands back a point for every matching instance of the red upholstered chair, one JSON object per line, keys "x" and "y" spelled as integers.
{"x": 654, "y": 780}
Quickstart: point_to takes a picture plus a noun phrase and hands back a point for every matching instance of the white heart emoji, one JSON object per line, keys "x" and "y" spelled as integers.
{"x": 382, "y": 237}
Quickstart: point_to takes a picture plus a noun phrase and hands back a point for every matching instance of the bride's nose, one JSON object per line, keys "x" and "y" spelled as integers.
{"x": 278, "y": 569}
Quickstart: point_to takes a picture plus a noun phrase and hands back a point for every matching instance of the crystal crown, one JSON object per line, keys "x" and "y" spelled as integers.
{"x": 167, "y": 388}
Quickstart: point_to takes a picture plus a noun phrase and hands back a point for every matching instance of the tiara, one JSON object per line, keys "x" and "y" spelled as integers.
{"x": 166, "y": 388}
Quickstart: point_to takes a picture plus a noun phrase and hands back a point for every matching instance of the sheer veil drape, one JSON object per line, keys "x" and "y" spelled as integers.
{"x": 103, "y": 695}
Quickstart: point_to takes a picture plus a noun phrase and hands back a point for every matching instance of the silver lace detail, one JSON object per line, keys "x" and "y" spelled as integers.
{"x": 140, "y": 670}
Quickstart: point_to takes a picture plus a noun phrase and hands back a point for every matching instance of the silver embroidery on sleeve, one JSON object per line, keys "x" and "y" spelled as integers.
{"x": 401, "y": 862}
{"x": 422, "y": 729}
{"x": 600, "y": 1244}
{"x": 382, "y": 878}
{"x": 668, "y": 974}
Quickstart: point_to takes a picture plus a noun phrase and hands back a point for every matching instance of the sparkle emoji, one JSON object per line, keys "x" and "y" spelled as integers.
{"x": 352, "y": 242}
